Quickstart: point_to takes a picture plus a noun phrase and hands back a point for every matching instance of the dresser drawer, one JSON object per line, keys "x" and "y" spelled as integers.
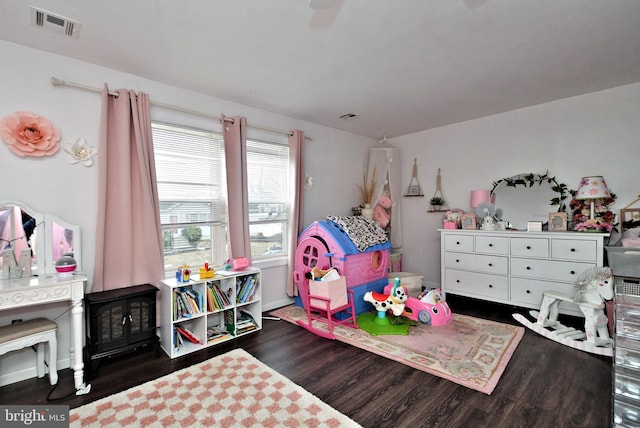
{"x": 569, "y": 249}
{"x": 456, "y": 242}
{"x": 477, "y": 262}
{"x": 530, "y": 292}
{"x": 492, "y": 245}
{"x": 530, "y": 247}
{"x": 548, "y": 269}
{"x": 479, "y": 284}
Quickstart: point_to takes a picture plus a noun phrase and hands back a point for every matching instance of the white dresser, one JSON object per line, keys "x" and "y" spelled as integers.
{"x": 517, "y": 267}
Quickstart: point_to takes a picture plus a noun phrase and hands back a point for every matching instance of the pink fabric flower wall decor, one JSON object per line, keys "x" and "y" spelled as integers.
{"x": 28, "y": 134}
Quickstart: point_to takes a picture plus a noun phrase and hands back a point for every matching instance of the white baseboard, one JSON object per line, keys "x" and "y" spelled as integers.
{"x": 28, "y": 373}
{"x": 275, "y": 305}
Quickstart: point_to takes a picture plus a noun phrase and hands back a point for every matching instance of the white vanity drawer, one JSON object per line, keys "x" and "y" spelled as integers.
{"x": 530, "y": 247}
{"x": 477, "y": 262}
{"x": 548, "y": 269}
{"x": 479, "y": 284}
{"x": 529, "y": 292}
{"x": 574, "y": 250}
{"x": 456, "y": 242}
{"x": 492, "y": 244}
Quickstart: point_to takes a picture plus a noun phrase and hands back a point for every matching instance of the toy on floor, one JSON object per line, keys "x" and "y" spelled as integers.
{"x": 594, "y": 286}
{"x": 379, "y": 323}
{"x": 429, "y": 308}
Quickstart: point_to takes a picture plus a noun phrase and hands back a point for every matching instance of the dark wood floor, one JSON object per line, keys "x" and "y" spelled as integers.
{"x": 545, "y": 384}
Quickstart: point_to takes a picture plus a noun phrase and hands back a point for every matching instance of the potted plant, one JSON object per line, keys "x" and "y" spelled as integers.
{"x": 436, "y": 202}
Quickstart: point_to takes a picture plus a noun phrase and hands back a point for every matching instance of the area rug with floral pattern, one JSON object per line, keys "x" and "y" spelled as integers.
{"x": 469, "y": 351}
{"x": 230, "y": 390}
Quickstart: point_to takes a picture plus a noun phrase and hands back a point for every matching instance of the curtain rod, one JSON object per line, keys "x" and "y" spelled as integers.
{"x": 59, "y": 82}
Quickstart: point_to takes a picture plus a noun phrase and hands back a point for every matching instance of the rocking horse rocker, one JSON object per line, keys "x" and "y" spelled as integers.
{"x": 594, "y": 287}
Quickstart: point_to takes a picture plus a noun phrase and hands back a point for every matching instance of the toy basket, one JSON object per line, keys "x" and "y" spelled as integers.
{"x": 624, "y": 261}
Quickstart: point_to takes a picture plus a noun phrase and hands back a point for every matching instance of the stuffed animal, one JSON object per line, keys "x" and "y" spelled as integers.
{"x": 380, "y": 213}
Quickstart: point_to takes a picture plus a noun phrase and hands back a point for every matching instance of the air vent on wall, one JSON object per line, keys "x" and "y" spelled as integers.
{"x": 55, "y": 23}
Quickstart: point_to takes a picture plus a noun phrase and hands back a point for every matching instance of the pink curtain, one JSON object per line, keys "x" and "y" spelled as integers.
{"x": 128, "y": 236}
{"x": 296, "y": 208}
{"x": 235, "y": 152}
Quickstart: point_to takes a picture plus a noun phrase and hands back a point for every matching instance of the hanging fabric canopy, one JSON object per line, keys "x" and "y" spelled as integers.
{"x": 384, "y": 162}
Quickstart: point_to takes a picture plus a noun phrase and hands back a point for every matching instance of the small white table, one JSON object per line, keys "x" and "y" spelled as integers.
{"x": 50, "y": 288}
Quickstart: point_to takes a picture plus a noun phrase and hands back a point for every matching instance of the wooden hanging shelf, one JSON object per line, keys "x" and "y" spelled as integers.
{"x": 414, "y": 188}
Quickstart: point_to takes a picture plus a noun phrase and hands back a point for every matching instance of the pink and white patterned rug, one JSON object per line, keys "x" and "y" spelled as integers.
{"x": 469, "y": 351}
{"x": 230, "y": 390}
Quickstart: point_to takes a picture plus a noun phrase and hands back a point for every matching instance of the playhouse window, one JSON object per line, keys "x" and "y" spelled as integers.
{"x": 376, "y": 260}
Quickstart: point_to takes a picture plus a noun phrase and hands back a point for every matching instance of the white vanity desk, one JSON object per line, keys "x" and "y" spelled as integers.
{"x": 517, "y": 267}
{"x": 49, "y": 288}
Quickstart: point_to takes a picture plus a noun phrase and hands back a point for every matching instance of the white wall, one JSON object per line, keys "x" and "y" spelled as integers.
{"x": 52, "y": 185}
{"x": 594, "y": 134}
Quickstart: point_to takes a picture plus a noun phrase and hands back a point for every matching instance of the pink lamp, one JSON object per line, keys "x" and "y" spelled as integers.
{"x": 592, "y": 188}
{"x": 479, "y": 196}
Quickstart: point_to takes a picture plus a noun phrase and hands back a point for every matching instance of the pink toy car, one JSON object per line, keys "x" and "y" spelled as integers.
{"x": 429, "y": 309}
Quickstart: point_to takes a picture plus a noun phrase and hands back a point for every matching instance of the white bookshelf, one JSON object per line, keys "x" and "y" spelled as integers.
{"x": 242, "y": 292}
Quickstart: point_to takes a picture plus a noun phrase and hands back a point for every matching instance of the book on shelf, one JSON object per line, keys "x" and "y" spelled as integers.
{"x": 245, "y": 322}
{"x": 187, "y": 334}
{"x": 246, "y": 288}
{"x": 216, "y": 299}
{"x": 188, "y": 302}
{"x": 216, "y": 334}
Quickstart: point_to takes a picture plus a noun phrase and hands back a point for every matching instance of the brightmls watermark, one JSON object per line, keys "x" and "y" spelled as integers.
{"x": 34, "y": 416}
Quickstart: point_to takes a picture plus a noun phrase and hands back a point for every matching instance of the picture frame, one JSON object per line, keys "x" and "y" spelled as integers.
{"x": 468, "y": 221}
{"x": 414, "y": 190}
{"x": 629, "y": 219}
{"x": 557, "y": 221}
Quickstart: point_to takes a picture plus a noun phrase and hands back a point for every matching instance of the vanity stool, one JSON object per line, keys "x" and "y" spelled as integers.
{"x": 28, "y": 333}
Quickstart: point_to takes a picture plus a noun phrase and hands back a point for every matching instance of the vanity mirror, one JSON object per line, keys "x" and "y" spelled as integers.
{"x": 46, "y": 236}
{"x": 528, "y": 197}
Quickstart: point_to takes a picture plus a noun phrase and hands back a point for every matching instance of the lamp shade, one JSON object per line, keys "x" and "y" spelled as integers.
{"x": 593, "y": 188}
{"x": 479, "y": 196}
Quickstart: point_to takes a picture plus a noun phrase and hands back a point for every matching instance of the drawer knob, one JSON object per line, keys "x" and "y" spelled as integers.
{"x": 573, "y": 250}
{"x": 528, "y": 291}
{"x": 573, "y": 272}
{"x": 490, "y": 264}
{"x": 458, "y": 281}
{"x": 528, "y": 247}
{"x": 457, "y": 260}
{"x": 490, "y": 285}
{"x": 528, "y": 267}
{"x": 457, "y": 242}
{"x": 491, "y": 245}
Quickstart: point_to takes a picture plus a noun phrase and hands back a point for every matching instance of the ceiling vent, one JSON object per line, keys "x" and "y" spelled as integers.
{"x": 55, "y": 23}
{"x": 348, "y": 116}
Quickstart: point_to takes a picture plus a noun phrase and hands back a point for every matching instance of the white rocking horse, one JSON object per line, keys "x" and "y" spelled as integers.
{"x": 594, "y": 287}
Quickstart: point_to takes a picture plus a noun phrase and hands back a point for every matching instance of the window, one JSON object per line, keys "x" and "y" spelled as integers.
{"x": 190, "y": 171}
{"x": 268, "y": 186}
{"x": 192, "y": 194}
